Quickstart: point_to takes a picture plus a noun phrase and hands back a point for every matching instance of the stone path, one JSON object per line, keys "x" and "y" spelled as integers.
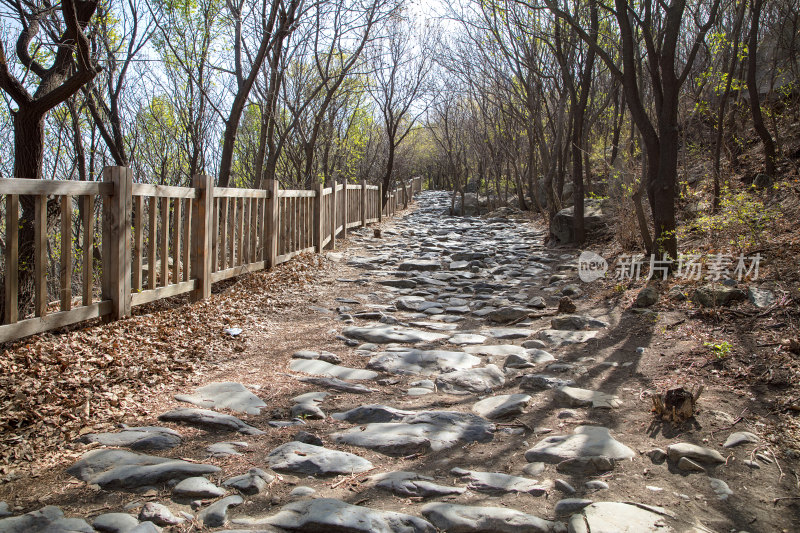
{"x": 465, "y": 325}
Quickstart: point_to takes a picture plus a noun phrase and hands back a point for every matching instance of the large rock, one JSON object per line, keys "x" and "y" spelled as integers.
{"x": 608, "y": 517}
{"x": 121, "y": 469}
{"x": 647, "y": 296}
{"x": 740, "y": 437}
{"x": 197, "y": 488}
{"x": 561, "y": 227}
{"x": 335, "y": 516}
{"x": 115, "y": 523}
{"x": 502, "y": 406}
{"x": 227, "y": 395}
{"x": 714, "y": 295}
{"x": 302, "y": 458}
{"x": 694, "y": 452}
{"x": 390, "y": 334}
{"x": 408, "y": 484}
{"x": 137, "y": 438}
{"x": 321, "y": 368}
{"x": 209, "y": 419}
{"x": 253, "y": 482}
{"x": 215, "y": 515}
{"x": 455, "y": 518}
{"x": 419, "y": 433}
{"x": 477, "y": 380}
{"x": 586, "y": 441}
{"x": 761, "y": 298}
{"x": 424, "y": 362}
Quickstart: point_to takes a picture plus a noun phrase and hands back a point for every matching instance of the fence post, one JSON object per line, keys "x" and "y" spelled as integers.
{"x": 116, "y": 281}
{"x": 202, "y": 222}
{"x": 318, "y": 237}
{"x": 271, "y": 224}
{"x": 363, "y": 203}
{"x": 334, "y": 219}
{"x": 346, "y": 209}
{"x": 380, "y": 202}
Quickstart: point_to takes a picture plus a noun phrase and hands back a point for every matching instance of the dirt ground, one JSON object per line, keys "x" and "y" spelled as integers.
{"x": 753, "y": 389}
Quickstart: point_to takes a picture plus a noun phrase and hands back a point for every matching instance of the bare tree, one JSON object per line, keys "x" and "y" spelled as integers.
{"x": 70, "y": 69}
{"x": 401, "y": 62}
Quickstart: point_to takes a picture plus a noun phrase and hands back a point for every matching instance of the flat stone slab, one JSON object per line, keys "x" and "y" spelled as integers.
{"x": 466, "y": 338}
{"x": 209, "y": 419}
{"x": 532, "y": 357}
{"x": 473, "y": 519}
{"x": 602, "y": 517}
{"x": 390, "y": 334}
{"x": 539, "y": 382}
{"x": 370, "y": 414}
{"x": 337, "y": 384}
{"x": 321, "y": 368}
{"x": 435, "y": 326}
{"x": 498, "y": 350}
{"x": 425, "y": 362}
{"x": 498, "y": 483}
{"x": 225, "y": 449}
{"x": 121, "y": 469}
{"x": 575, "y": 397}
{"x": 694, "y": 452}
{"x": 577, "y": 322}
{"x": 477, "y": 380}
{"x": 48, "y": 519}
{"x": 408, "y": 484}
{"x": 509, "y": 333}
{"x": 137, "y": 438}
{"x": 335, "y": 516}
{"x": 225, "y": 395}
{"x": 421, "y": 265}
{"x": 504, "y": 315}
{"x": 302, "y": 458}
{"x": 502, "y": 406}
{"x": 557, "y": 337}
{"x": 585, "y": 441}
{"x": 419, "y": 433}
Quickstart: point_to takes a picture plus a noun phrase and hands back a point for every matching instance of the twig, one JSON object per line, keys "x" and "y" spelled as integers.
{"x": 351, "y": 478}
{"x": 776, "y": 500}
{"x": 741, "y": 417}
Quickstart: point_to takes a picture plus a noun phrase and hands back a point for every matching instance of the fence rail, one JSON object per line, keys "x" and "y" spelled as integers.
{"x": 160, "y": 241}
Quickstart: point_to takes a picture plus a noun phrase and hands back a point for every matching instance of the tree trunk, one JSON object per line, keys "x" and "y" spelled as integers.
{"x": 722, "y": 105}
{"x": 752, "y": 88}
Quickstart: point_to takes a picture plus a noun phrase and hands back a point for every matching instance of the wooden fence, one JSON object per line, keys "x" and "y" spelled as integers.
{"x": 159, "y": 241}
